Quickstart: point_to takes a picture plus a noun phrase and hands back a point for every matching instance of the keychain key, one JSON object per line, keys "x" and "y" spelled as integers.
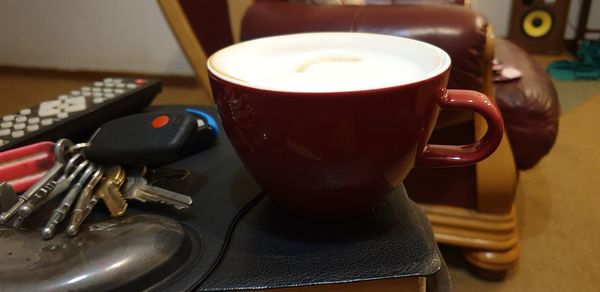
{"x": 137, "y": 188}
{"x": 150, "y": 139}
{"x": 72, "y": 170}
{"x": 85, "y": 203}
{"x": 109, "y": 191}
{"x": 60, "y": 212}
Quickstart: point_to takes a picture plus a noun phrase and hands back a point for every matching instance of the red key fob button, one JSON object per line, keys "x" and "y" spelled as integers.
{"x": 160, "y": 121}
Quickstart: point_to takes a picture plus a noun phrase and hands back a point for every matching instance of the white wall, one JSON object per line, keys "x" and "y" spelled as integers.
{"x": 133, "y": 36}
{"x": 112, "y": 35}
{"x": 497, "y": 13}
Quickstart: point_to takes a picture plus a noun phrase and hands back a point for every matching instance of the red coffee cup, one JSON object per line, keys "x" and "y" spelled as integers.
{"x": 329, "y": 124}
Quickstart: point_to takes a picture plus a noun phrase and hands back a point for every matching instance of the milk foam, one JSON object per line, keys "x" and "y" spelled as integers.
{"x": 328, "y": 62}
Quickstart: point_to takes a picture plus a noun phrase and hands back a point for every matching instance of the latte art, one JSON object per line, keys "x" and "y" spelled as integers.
{"x": 325, "y": 60}
{"x": 328, "y": 62}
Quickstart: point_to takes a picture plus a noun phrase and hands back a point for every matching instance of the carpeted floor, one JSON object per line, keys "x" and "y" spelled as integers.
{"x": 575, "y": 93}
{"x": 558, "y": 200}
{"x": 570, "y": 93}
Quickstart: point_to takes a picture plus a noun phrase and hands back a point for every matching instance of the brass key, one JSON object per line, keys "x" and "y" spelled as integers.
{"x": 109, "y": 190}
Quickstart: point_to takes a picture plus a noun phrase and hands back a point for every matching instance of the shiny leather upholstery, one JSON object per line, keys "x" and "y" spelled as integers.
{"x": 529, "y": 105}
{"x": 212, "y": 29}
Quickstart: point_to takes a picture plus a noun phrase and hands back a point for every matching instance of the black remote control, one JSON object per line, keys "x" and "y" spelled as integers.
{"x": 77, "y": 114}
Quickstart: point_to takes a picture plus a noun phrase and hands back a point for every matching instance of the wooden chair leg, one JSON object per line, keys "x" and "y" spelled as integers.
{"x": 492, "y": 264}
{"x": 490, "y": 241}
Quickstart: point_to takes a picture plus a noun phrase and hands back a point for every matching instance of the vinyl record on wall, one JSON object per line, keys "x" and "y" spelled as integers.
{"x": 537, "y": 23}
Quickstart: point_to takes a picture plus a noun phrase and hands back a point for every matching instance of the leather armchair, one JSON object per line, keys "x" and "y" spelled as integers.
{"x": 471, "y": 207}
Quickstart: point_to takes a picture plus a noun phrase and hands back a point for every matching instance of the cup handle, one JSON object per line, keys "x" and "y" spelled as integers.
{"x": 461, "y": 155}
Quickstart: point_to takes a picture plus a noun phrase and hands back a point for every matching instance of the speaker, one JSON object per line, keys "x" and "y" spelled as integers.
{"x": 538, "y": 26}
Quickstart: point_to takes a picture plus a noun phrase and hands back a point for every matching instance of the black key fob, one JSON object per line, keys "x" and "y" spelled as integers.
{"x": 152, "y": 139}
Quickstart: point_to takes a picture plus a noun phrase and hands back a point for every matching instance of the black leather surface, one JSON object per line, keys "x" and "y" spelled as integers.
{"x": 271, "y": 249}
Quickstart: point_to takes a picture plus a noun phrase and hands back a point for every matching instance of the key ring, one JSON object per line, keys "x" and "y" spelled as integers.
{"x": 60, "y": 149}
{"x": 73, "y": 162}
{"x": 78, "y": 147}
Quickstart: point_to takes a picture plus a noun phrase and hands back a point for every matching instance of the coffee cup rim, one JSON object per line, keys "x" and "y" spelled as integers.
{"x": 443, "y": 66}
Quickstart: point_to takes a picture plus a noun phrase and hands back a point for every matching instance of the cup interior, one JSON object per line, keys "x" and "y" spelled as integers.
{"x": 328, "y": 62}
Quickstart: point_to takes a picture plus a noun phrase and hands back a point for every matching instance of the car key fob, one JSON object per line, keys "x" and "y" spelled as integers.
{"x": 152, "y": 138}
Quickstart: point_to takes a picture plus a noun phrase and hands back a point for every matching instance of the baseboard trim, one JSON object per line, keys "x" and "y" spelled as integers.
{"x": 176, "y": 80}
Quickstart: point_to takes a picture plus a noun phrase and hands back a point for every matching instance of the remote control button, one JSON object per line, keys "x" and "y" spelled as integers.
{"x": 34, "y": 120}
{"x": 75, "y": 108}
{"x": 63, "y": 97}
{"x": 48, "y": 113}
{"x": 96, "y": 89}
{"x": 75, "y": 92}
{"x": 119, "y": 91}
{"x": 49, "y": 108}
{"x": 131, "y": 86}
{"x": 33, "y": 128}
{"x": 25, "y": 111}
{"x": 97, "y": 94}
{"x": 4, "y": 132}
{"x": 86, "y": 93}
{"x": 47, "y": 122}
{"x": 108, "y": 80}
{"x": 98, "y": 100}
{"x": 3, "y": 142}
{"x": 21, "y": 119}
{"x": 8, "y": 118}
{"x": 117, "y": 80}
{"x": 86, "y": 88}
{"x": 19, "y": 126}
{"x": 18, "y": 134}
{"x": 62, "y": 115}
{"x": 98, "y": 84}
{"x": 140, "y": 81}
{"x": 109, "y": 95}
{"x": 120, "y": 85}
{"x": 107, "y": 90}
{"x": 109, "y": 85}
{"x": 6, "y": 125}
{"x": 76, "y": 100}
{"x": 79, "y": 105}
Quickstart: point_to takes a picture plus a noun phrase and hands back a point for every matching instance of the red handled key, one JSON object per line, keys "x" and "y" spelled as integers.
{"x": 22, "y": 167}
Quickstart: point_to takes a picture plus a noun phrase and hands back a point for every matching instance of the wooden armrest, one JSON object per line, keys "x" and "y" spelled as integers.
{"x": 497, "y": 175}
